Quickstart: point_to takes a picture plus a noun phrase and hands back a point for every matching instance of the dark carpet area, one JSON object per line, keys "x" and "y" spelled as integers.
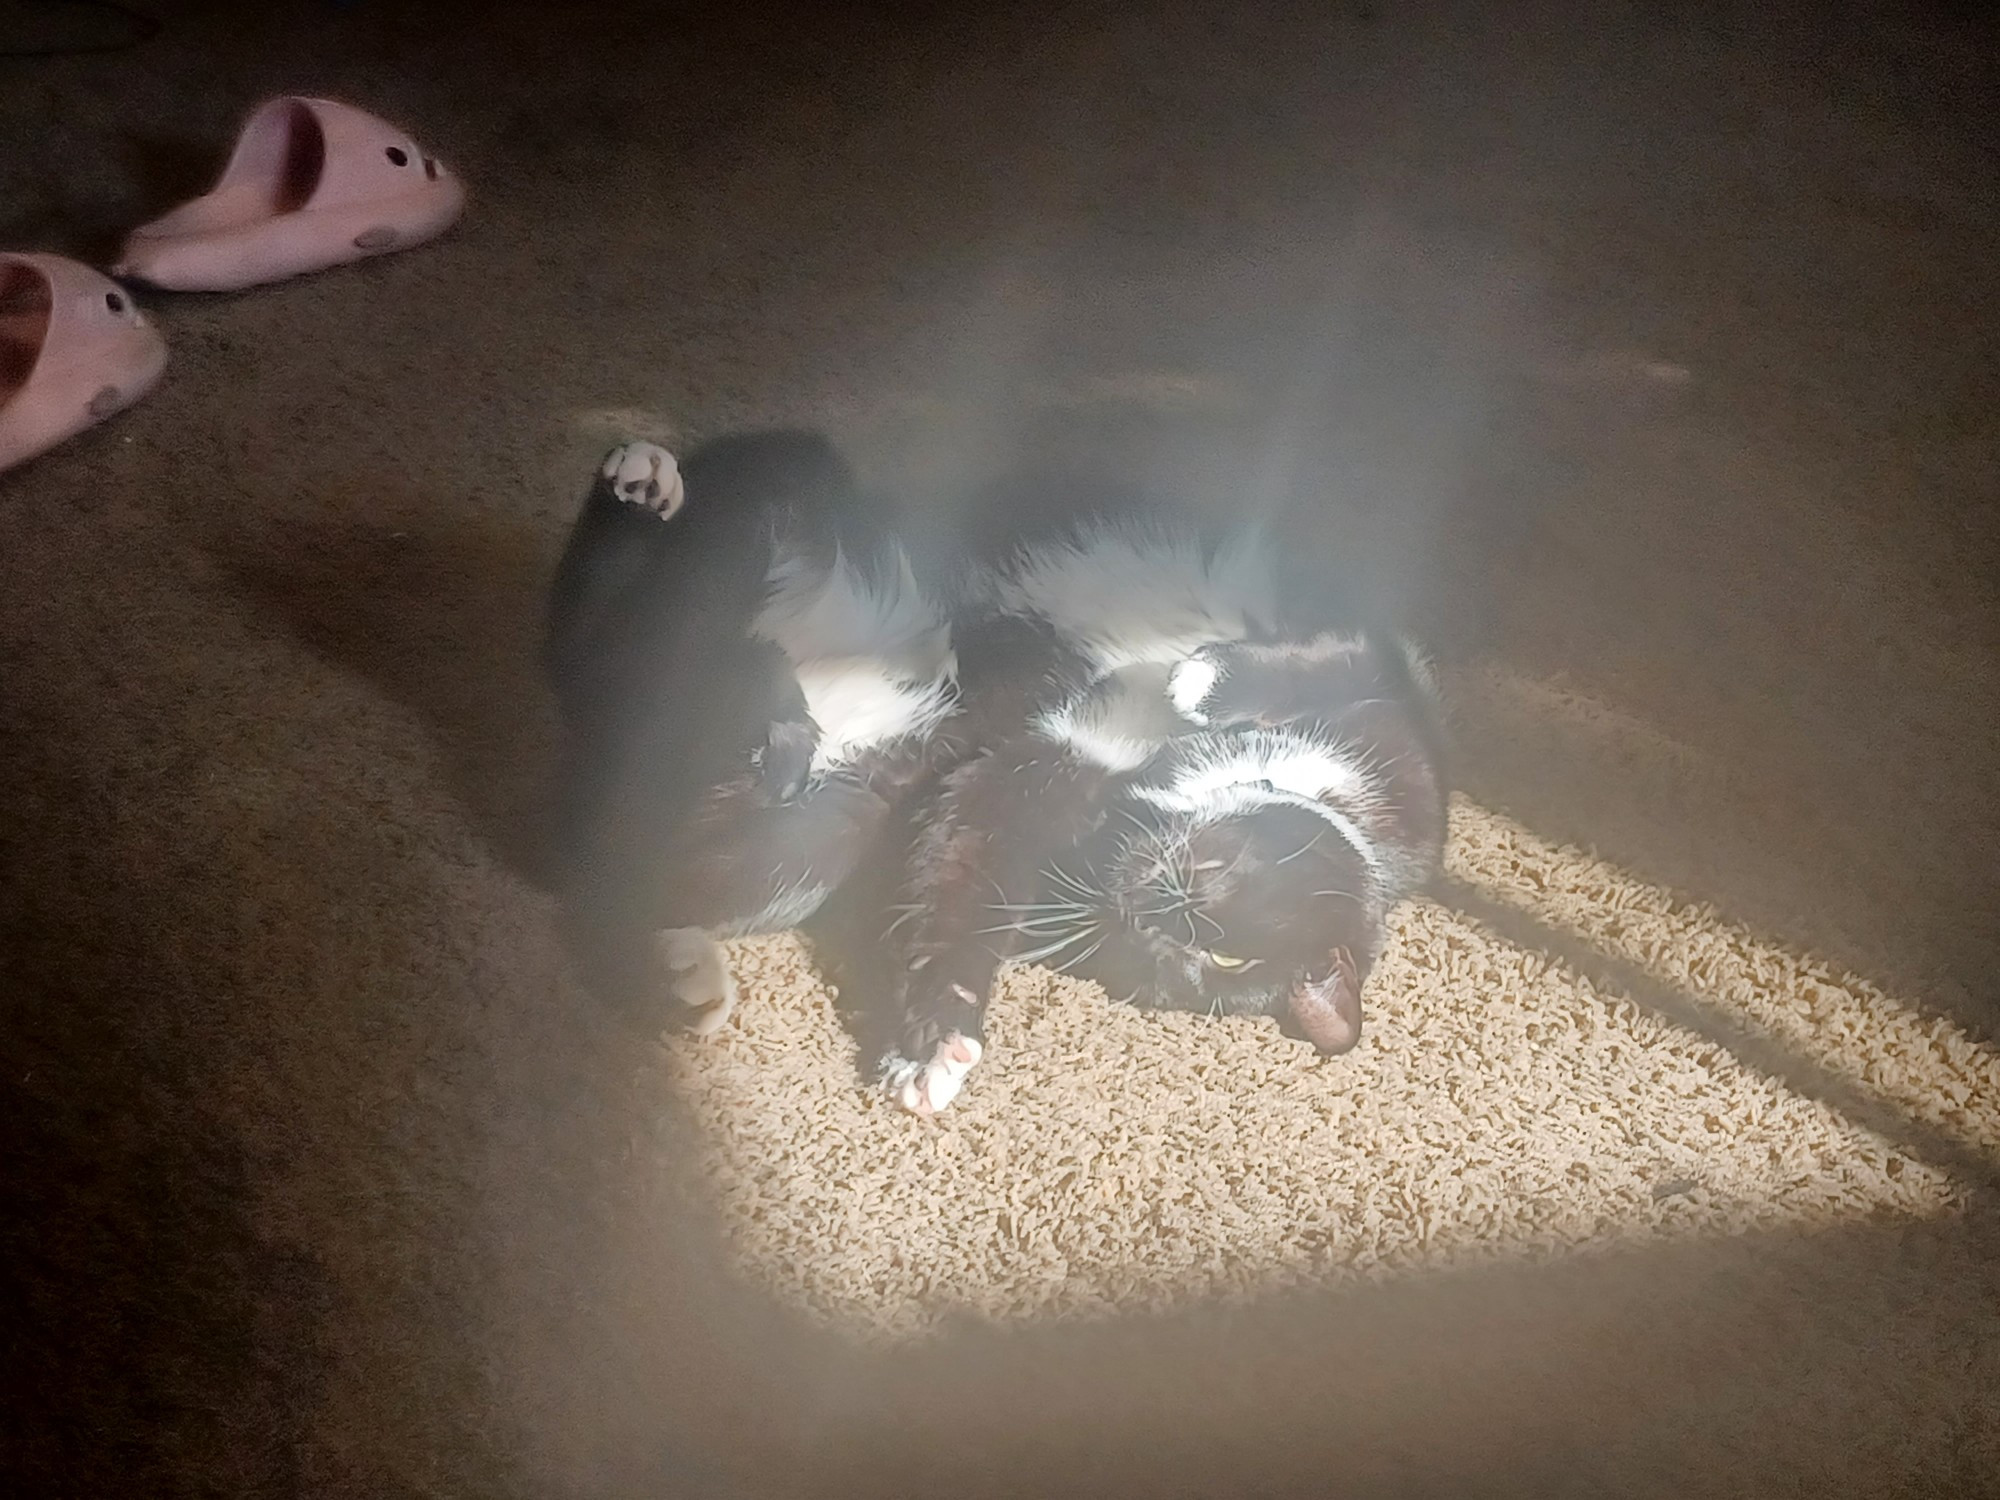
{"x": 1644, "y": 358}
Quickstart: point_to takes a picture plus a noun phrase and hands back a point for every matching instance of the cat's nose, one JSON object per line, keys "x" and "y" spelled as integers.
{"x": 1334, "y": 1034}
{"x": 1328, "y": 1010}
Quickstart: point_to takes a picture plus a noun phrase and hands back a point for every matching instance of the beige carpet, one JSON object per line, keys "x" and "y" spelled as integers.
{"x": 1646, "y": 352}
{"x": 1109, "y": 1161}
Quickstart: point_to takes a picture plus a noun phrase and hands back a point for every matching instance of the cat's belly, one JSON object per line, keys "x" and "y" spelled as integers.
{"x": 859, "y": 706}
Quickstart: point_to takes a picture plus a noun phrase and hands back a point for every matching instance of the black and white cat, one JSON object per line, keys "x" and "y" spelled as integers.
{"x": 1175, "y": 775}
{"x": 751, "y": 676}
{"x": 1129, "y": 748}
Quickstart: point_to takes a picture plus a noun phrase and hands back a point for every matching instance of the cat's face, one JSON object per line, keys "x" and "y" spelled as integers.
{"x": 1266, "y": 910}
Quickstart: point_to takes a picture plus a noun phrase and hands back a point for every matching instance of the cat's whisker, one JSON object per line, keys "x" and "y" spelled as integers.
{"x": 1042, "y": 912}
{"x": 1084, "y": 957}
{"x": 1031, "y": 929}
{"x": 1306, "y": 848}
{"x": 1090, "y": 895}
{"x": 1049, "y": 950}
{"x": 1073, "y": 883}
{"x": 1043, "y": 960}
{"x": 1343, "y": 896}
{"x": 1131, "y": 816}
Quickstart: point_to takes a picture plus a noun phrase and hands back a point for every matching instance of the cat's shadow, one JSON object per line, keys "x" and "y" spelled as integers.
{"x": 447, "y": 624}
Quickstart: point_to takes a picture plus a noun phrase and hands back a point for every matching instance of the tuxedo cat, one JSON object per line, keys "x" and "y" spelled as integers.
{"x": 751, "y": 676}
{"x": 1179, "y": 774}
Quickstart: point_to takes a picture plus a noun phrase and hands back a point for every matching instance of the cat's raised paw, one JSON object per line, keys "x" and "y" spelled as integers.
{"x": 924, "y": 1088}
{"x": 699, "y": 978}
{"x": 645, "y": 474}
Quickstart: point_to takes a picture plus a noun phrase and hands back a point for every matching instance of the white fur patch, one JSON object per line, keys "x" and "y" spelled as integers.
{"x": 873, "y": 659}
{"x": 1220, "y": 778}
{"x": 1120, "y": 722}
{"x": 1190, "y": 684}
{"x": 1125, "y": 593}
{"x": 858, "y": 706}
{"x": 1095, "y": 742}
{"x": 927, "y": 1087}
{"x": 1296, "y": 764}
{"x": 1230, "y": 802}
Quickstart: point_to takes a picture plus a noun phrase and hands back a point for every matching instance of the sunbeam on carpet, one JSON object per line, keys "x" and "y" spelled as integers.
{"x": 1922, "y": 1066}
{"x": 1502, "y": 1105}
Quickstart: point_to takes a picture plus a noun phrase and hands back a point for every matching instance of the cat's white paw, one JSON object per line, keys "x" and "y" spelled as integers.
{"x": 645, "y": 474}
{"x": 924, "y": 1088}
{"x": 1191, "y": 686}
{"x": 700, "y": 977}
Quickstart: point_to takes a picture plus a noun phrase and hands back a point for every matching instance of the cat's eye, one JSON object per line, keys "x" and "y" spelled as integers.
{"x": 1227, "y": 961}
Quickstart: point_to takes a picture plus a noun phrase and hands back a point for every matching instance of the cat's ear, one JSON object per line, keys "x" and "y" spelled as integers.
{"x": 1327, "y": 1006}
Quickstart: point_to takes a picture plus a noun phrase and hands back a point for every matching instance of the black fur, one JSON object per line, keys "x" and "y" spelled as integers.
{"x": 689, "y": 802}
{"x": 1028, "y": 849}
{"x": 685, "y": 799}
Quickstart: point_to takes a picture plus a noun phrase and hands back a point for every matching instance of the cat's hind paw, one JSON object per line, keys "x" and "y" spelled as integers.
{"x": 925, "y": 1088}
{"x": 645, "y": 474}
{"x": 699, "y": 978}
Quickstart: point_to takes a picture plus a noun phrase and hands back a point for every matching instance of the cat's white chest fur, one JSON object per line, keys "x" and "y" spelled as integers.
{"x": 1125, "y": 594}
{"x": 873, "y": 656}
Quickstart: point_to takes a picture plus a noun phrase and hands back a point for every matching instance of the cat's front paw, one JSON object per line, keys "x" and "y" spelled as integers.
{"x": 698, "y": 978}
{"x": 645, "y": 474}
{"x": 940, "y": 1045}
{"x": 928, "y": 1086}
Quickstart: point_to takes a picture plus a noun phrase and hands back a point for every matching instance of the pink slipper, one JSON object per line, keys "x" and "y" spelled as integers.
{"x": 312, "y": 184}
{"x": 73, "y": 350}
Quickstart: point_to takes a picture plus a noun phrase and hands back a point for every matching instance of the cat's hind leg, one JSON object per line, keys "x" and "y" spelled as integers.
{"x": 698, "y": 977}
{"x": 645, "y": 475}
{"x": 742, "y": 866}
{"x": 598, "y": 593}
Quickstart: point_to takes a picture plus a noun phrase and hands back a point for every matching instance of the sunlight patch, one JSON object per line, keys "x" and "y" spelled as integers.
{"x": 1922, "y": 1066}
{"x": 1106, "y": 1160}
